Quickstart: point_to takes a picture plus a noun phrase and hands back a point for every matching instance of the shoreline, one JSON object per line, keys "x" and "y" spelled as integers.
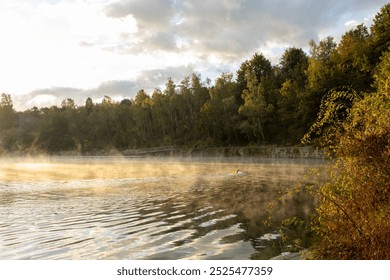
{"x": 263, "y": 151}
{"x": 300, "y": 255}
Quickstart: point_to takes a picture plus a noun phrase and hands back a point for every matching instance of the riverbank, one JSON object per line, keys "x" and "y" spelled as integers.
{"x": 266, "y": 151}
{"x": 263, "y": 151}
{"x": 301, "y": 255}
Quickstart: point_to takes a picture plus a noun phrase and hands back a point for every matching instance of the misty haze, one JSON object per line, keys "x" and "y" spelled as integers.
{"x": 162, "y": 208}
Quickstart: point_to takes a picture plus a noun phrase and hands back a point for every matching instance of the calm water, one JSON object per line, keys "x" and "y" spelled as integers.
{"x": 144, "y": 209}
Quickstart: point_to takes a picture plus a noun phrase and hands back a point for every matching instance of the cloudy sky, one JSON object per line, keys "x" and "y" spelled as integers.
{"x": 54, "y": 49}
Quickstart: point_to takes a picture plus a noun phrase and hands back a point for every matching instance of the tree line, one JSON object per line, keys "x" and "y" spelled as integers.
{"x": 261, "y": 103}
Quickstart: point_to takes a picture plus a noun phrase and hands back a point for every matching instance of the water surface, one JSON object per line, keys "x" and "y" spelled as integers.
{"x": 113, "y": 208}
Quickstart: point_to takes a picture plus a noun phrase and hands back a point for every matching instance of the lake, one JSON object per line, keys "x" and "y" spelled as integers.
{"x": 156, "y": 208}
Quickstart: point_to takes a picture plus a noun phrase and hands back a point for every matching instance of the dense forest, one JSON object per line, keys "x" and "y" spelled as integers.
{"x": 260, "y": 103}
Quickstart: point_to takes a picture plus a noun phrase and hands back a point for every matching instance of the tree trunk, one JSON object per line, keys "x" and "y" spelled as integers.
{"x": 261, "y": 129}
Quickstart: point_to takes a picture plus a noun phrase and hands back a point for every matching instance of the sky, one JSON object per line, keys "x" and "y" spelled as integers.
{"x": 51, "y": 50}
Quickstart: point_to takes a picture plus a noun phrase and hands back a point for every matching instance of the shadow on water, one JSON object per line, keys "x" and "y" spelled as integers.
{"x": 197, "y": 211}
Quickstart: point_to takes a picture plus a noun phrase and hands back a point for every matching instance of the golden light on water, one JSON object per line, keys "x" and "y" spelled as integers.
{"x": 32, "y": 165}
{"x": 72, "y": 169}
{"x": 149, "y": 208}
{"x": 44, "y": 169}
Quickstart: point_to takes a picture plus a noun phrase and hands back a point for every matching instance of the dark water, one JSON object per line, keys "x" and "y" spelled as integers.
{"x": 141, "y": 209}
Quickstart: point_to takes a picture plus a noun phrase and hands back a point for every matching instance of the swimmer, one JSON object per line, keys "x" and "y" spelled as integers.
{"x": 237, "y": 172}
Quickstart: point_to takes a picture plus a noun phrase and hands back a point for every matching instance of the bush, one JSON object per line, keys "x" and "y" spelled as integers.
{"x": 353, "y": 216}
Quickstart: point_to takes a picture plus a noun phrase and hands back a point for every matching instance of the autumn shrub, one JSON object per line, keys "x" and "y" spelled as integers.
{"x": 353, "y": 216}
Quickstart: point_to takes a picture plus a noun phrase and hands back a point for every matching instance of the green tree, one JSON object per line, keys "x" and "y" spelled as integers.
{"x": 172, "y": 95}
{"x": 162, "y": 115}
{"x": 259, "y": 65}
{"x": 321, "y": 77}
{"x": 217, "y": 118}
{"x": 380, "y": 31}
{"x": 291, "y": 105}
{"x": 124, "y": 125}
{"x": 7, "y": 112}
{"x": 199, "y": 91}
{"x": 142, "y": 116}
{"x": 27, "y": 131}
{"x": 54, "y": 133}
{"x": 68, "y": 103}
{"x": 293, "y": 66}
{"x": 256, "y": 109}
{"x": 383, "y": 73}
{"x": 186, "y": 114}
{"x": 87, "y": 126}
{"x": 6, "y": 102}
{"x": 8, "y": 123}
{"x": 351, "y": 60}
{"x": 257, "y": 85}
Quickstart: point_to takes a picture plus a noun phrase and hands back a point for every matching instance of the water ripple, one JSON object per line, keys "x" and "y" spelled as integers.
{"x": 195, "y": 216}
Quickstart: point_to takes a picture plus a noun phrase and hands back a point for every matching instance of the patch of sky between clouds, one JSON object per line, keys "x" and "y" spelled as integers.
{"x": 349, "y": 21}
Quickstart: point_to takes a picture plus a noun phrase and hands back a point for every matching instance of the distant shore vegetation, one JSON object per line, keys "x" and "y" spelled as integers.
{"x": 337, "y": 97}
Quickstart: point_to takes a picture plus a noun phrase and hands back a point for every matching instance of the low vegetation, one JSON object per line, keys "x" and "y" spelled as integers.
{"x": 353, "y": 216}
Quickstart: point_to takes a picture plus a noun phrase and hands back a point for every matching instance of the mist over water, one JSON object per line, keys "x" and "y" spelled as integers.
{"x": 115, "y": 208}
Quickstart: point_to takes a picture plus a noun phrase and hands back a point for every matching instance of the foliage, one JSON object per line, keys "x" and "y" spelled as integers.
{"x": 291, "y": 106}
{"x": 8, "y": 122}
{"x": 380, "y": 31}
{"x": 218, "y": 116}
{"x": 383, "y": 73}
{"x": 255, "y": 108}
{"x": 258, "y": 65}
{"x": 334, "y": 109}
{"x": 353, "y": 217}
{"x": 294, "y": 63}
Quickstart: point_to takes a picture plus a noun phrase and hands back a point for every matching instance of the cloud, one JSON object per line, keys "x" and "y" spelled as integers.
{"x": 85, "y": 44}
{"x": 230, "y": 29}
{"x": 154, "y": 22}
{"x": 55, "y": 95}
{"x": 116, "y": 89}
{"x": 157, "y": 78}
{"x": 156, "y": 13}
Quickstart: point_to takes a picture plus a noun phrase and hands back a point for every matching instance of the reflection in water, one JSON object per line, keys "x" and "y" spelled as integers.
{"x": 128, "y": 209}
